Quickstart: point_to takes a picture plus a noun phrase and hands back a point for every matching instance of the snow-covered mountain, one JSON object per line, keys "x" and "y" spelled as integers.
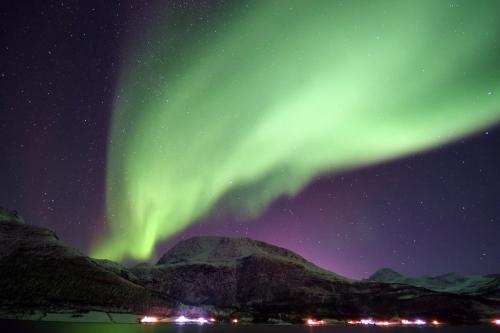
{"x": 476, "y": 285}
{"x": 231, "y": 250}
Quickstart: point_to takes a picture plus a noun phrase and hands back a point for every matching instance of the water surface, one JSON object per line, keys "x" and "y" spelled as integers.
{"x": 14, "y": 326}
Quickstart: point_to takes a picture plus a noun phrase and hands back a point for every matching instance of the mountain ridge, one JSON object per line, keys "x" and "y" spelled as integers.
{"x": 217, "y": 276}
{"x": 226, "y": 250}
{"x": 487, "y": 285}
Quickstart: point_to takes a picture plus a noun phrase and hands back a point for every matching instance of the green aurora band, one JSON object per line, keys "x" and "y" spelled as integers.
{"x": 254, "y": 105}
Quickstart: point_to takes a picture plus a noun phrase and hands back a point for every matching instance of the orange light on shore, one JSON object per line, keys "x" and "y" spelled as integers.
{"x": 235, "y": 321}
{"x": 313, "y": 322}
{"x": 212, "y": 320}
{"x": 496, "y": 322}
{"x": 383, "y": 323}
{"x": 435, "y": 322}
{"x": 149, "y": 320}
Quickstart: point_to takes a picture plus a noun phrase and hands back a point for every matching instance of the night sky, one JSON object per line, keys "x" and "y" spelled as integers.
{"x": 60, "y": 65}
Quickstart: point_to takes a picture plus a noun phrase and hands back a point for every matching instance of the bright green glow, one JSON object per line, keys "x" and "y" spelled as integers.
{"x": 283, "y": 92}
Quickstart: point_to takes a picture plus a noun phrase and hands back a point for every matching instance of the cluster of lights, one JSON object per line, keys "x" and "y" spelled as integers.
{"x": 149, "y": 320}
{"x": 310, "y": 321}
{"x": 313, "y": 322}
{"x": 178, "y": 320}
{"x": 199, "y": 320}
{"x": 417, "y": 322}
{"x": 370, "y": 321}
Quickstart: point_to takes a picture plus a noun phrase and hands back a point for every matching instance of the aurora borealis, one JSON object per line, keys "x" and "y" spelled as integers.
{"x": 273, "y": 95}
{"x": 86, "y": 83}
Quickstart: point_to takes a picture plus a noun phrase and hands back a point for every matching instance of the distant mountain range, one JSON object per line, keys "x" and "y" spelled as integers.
{"x": 476, "y": 285}
{"x": 216, "y": 276}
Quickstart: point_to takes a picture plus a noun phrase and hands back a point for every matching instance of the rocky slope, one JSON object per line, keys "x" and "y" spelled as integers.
{"x": 213, "y": 275}
{"x": 487, "y": 286}
{"x": 38, "y": 271}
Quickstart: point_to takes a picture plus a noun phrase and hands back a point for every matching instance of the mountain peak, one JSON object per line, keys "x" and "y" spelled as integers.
{"x": 386, "y": 275}
{"x": 213, "y": 249}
